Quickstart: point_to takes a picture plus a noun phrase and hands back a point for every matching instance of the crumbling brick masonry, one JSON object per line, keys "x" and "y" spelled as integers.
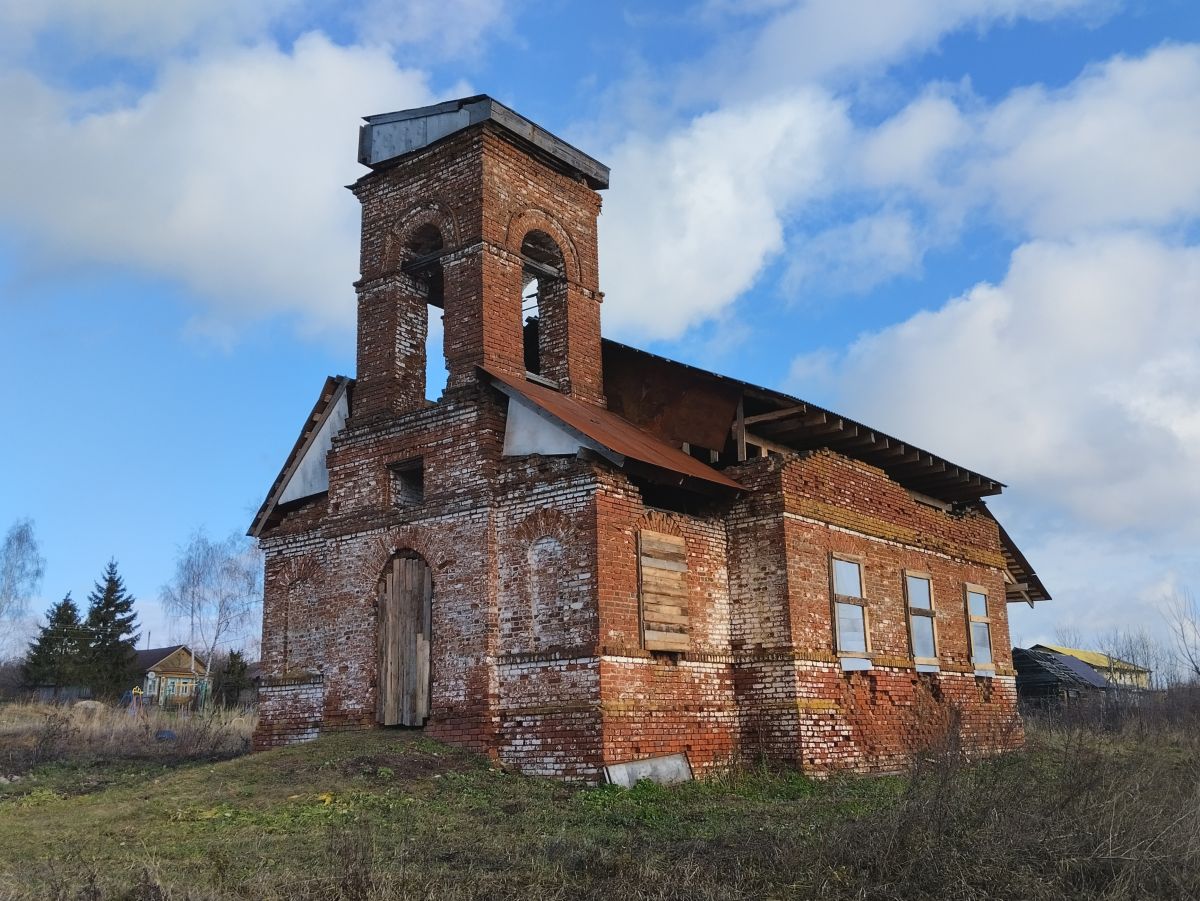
{"x": 583, "y": 554}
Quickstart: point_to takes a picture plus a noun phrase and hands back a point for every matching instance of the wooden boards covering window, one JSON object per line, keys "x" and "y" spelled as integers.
{"x": 405, "y": 607}
{"x": 662, "y": 583}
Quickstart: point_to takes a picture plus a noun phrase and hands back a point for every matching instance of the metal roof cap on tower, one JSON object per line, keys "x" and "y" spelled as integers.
{"x": 388, "y": 136}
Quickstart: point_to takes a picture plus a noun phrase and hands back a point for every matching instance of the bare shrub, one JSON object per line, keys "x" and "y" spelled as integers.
{"x": 1141, "y": 715}
{"x": 1080, "y": 816}
{"x": 32, "y": 734}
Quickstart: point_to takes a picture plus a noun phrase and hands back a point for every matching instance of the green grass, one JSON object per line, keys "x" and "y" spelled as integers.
{"x": 390, "y": 815}
{"x": 292, "y": 819}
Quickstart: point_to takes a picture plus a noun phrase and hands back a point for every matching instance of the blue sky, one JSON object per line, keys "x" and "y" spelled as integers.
{"x": 971, "y": 223}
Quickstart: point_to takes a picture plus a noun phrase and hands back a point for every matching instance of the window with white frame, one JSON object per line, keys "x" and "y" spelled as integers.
{"x": 850, "y": 608}
{"x": 980, "y": 625}
{"x": 922, "y": 628}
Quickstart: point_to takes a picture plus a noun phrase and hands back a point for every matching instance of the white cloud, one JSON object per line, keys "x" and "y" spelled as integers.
{"x": 1119, "y": 146}
{"x": 227, "y": 176}
{"x": 692, "y": 218}
{"x": 816, "y": 40}
{"x": 857, "y": 256}
{"x": 436, "y": 28}
{"x": 1101, "y": 583}
{"x": 914, "y": 148}
{"x": 1077, "y": 378}
{"x": 153, "y": 29}
{"x": 135, "y": 28}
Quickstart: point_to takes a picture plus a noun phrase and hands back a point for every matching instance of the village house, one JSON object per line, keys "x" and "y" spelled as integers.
{"x": 584, "y": 554}
{"x": 171, "y": 676}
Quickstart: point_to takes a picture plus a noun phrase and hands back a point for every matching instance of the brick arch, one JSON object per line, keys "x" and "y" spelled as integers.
{"x": 657, "y": 521}
{"x": 545, "y": 524}
{"x": 430, "y": 212}
{"x": 386, "y": 546}
{"x": 532, "y": 219}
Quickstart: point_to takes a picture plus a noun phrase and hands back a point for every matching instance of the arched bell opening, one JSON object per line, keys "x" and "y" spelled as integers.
{"x": 423, "y": 261}
{"x": 543, "y": 301}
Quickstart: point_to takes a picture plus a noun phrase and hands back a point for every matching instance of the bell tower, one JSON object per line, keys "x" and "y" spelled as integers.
{"x": 474, "y": 209}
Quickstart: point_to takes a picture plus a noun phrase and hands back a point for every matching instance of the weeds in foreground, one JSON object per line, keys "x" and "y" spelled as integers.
{"x": 1078, "y": 814}
{"x": 33, "y": 735}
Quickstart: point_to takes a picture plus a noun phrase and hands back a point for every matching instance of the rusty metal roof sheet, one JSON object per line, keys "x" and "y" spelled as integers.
{"x": 611, "y": 431}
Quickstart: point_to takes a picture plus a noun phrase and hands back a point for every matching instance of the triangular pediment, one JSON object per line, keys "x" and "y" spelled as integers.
{"x": 305, "y": 473}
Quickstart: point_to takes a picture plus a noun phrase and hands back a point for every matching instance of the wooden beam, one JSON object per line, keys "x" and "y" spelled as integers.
{"x": 540, "y": 268}
{"x": 929, "y": 501}
{"x": 768, "y": 444}
{"x": 739, "y": 430}
{"x": 776, "y": 414}
{"x": 902, "y": 452}
{"x": 421, "y": 264}
{"x": 861, "y": 440}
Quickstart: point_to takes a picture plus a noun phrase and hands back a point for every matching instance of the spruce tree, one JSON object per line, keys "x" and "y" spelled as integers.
{"x": 230, "y": 677}
{"x": 56, "y": 656}
{"x": 111, "y": 624}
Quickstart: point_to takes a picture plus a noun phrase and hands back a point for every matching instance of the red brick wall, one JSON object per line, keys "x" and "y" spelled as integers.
{"x": 874, "y": 720}
{"x": 657, "y": 702}
{"x": 537, "y": 656}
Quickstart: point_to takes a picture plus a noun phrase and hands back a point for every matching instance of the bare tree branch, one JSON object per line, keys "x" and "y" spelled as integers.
{"x": 21, "y": 569}
{"x": 1069, "y": 635}
{"x": 1183, "y": 620}
{"x": 217, "y": 589}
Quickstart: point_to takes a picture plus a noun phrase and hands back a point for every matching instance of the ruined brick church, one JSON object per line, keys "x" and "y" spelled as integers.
{"x": 583, "y": 554}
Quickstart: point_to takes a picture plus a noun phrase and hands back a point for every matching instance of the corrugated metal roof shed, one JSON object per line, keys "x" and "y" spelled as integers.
{"x": 1093, "y": 659}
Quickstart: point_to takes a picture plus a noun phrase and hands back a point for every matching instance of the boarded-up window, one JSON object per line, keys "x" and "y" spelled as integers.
{"x": 662, "y": 581}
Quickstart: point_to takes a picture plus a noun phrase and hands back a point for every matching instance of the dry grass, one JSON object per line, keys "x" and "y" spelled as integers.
{"x": 384, "y": 816}
{"x": 1079, "y": 814}
{"x": 36, "y": 734}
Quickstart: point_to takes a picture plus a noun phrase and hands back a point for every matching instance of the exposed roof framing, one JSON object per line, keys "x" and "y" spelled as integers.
{"x": 1022, "y": 583}
{"x": 800, "y": 425}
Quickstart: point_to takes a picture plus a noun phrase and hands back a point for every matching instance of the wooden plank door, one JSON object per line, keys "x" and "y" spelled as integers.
{"x": 405, "y": 607}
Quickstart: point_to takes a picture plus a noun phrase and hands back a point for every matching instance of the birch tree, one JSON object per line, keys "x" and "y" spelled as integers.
{"x": 216, "y": 591}
{"x": 21, "y": 570}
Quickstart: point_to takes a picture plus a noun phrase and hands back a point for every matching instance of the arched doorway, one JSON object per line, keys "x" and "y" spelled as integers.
{"x": 405, "y": 599}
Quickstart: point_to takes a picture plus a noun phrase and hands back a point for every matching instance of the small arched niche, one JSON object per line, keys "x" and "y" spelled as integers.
{"x": 545, "y": 581}
{"x": 543, "y": 301}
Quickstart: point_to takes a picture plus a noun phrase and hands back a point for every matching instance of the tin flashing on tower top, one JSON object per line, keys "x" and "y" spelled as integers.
{"x": 389, "y": 136}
